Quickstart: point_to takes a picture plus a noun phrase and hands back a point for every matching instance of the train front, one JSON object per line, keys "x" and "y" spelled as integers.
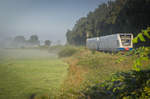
{"x": 125, "y": 42}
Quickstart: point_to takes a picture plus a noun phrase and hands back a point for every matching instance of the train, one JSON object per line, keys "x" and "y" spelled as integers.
{"x": 114, "y": 43}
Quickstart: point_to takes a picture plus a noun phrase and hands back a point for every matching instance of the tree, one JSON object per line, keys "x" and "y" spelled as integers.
{"x": 19, "y": 39}
{"x": 47, "y": 43}
{"x": 34, "y": 40}
{"x": 116, "y": 16}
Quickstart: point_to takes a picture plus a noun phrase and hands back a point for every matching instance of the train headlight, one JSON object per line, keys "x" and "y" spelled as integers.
{"x": 127, "y": 48}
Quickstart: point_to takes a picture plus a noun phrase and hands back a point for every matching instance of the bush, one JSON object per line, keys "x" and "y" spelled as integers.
{"x": 67, "y": 51}
{"x": 131, "y": 85}
{"x": 55, "y": 48}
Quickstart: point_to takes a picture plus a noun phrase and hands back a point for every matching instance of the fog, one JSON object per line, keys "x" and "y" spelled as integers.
{"x": 26, "y": 54}
{"x": 49, "y": 19}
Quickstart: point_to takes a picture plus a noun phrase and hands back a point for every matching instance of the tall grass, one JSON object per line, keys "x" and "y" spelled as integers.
{"x": 88, "y": 69}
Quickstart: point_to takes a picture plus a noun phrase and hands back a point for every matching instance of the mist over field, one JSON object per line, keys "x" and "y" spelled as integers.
{"x": 74, "y": 49}
{"x": 29, "y": 64}
{"x": 29, "y": 72}
{"x": 27, "y": 53}
{"x": 49, "y": 19}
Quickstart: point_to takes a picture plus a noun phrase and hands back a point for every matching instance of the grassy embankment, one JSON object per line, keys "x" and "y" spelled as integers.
{"x": 89, "y": 69}
{"x": 30, "y": 74}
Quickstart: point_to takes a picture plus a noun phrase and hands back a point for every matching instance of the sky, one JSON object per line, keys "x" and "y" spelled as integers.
{"x": 49, "y": 19}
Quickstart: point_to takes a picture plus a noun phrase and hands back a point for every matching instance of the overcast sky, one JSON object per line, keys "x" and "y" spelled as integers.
{"x": 49, "y": 19}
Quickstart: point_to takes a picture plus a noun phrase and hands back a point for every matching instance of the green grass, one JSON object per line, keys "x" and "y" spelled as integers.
{"x": 27, "y": 72}
{"x": 36, "y": 72}
{"x": 87, "y": 69}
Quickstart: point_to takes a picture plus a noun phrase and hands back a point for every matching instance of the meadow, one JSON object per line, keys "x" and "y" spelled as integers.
{"x": 69, "y": 72}
{"x": 30, "y": 74}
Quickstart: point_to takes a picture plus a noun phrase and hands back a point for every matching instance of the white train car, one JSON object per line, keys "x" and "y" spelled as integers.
{"x": 114, "y": 42}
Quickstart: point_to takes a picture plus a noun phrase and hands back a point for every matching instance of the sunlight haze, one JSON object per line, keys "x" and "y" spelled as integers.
{"x": 49, "y": 19}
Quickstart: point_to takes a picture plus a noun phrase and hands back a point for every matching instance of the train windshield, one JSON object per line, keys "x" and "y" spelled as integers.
{"x": 126, "y": 39}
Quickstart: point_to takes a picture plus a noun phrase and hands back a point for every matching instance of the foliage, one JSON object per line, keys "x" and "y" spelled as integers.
{"x": 67, "y": 51}
{"x": 127, "y": 85}
{"x": 20, "y": 39}
{"x": 113, "y": 17}
{"x": 141, "y": 54}
{"x": 34, "y": 39}
{"x": 96, "y": 80}
{"x": 143, "y": 38}
{"x": 117, "y": 16}
{"x": 122, "y": 85}
{"x": 47, "y": 42}
{"x": 87, "y": 69}
{"x": 22, "y": 42}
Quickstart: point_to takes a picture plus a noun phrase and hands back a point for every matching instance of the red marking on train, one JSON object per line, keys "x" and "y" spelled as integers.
{"x": 127, "y": 49}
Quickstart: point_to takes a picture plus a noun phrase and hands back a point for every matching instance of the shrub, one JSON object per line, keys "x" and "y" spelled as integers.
{"x": 130, "y": 85}
{"x": 67, "y": 51}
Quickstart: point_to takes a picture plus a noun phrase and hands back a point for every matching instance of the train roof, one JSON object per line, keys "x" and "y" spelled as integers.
{"x": 125, "y": 33}
{"x": 96, "y": 38}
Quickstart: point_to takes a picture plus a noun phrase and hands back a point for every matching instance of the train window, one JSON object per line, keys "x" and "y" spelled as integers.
{"x": 128, "y": 36}
{"x": 126, "y": 40}
{"x": 122, "y": 36}
{"x": 125, "y": 36}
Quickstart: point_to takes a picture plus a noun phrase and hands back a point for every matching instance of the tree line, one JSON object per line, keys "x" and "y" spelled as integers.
{"x": 22, "y": 42}
{"x": 119, "y": 16}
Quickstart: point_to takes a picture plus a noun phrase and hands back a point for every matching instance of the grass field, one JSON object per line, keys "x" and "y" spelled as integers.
{"x": 28, "y": 73}
{"x": 39, "y": 74}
